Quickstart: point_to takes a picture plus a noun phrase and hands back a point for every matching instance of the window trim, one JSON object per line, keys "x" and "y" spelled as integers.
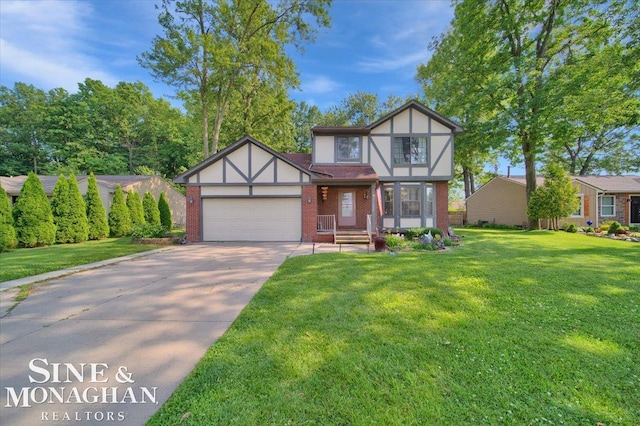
{"x": 580, "y": 210}
{"x": 419, "y": 201}
{"x": 358, "y": 139}
{"x": 399, "y": 139}
{"x": 612, "y": 205}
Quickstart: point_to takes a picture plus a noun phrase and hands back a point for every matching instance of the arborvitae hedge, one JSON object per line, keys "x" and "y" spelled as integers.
{"x": 119, "y": 219}
{"x": 78, "y": 212}
{"x": 151, "y": 212}
{"x": 32, "y": 216}
{"x": 7, "y": 231}
{"x": 165, "y": 212}
{"x": 134, "y": 203}
{"x": 61, "y": 210}
{"x": 96, "y": 214}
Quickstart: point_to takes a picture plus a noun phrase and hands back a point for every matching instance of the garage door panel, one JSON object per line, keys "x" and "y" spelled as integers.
{"x": 252, "y": 219}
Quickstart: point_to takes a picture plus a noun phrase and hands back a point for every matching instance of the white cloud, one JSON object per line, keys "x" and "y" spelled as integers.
{"x": 319, "y": 84}
{"x": 45, "y": 42}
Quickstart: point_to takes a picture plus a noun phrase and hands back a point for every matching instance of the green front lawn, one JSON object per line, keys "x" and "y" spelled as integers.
{"x": 510, "y": 328}
{"x": 26, "y": 262}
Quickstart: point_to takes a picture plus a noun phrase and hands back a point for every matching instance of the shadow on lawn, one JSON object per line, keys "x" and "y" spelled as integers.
{"x": 502, "y": 330}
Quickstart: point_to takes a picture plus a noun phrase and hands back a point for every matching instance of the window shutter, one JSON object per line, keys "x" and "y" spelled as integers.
{"x": 585, "y": 213}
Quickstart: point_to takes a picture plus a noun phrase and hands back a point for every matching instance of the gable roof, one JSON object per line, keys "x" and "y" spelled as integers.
{"x": 612, "y": 184}
{"x": 183, "y": 177}
{"x": 455, "y": 127}
{"x": 338, "y": 173}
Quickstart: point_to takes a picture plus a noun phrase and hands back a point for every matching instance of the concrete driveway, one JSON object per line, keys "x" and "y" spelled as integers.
{"x": 110, "y": 345}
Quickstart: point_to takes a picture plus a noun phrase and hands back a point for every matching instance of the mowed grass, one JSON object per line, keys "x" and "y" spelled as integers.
{"x": 25, "y": 262}
{"x": 519, "y": 328}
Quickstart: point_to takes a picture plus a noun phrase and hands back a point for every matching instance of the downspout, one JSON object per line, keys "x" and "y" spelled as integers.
{"x": 598, "y": 197}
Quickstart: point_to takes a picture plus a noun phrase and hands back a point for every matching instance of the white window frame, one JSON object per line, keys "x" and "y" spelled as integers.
{"x": 580, "y": 211}
{"x": 613, "y": 206}
{"x": 416, "y": 190}
{"x": 415, "y": 153}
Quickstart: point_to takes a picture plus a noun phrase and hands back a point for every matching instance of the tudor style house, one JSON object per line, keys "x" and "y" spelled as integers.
{"x": 357, "y": 182}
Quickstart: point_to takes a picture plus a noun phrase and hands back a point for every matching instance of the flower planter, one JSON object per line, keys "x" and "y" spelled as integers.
{"x": 380, "y": 243}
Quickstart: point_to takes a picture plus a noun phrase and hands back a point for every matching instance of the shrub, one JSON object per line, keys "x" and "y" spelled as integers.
{"x": 148, "y": 230}
{"x": 614, "y": 228}
{"x": 96, "y": 214}
{"x": 32, "y": 216}
{"x": 395, "y": 242}
{"x": 588, "y": 229}
{"x": 634, "y": 228}
{"x": 418, "y": 245}
{"x": 151, "y": 212}
{"x": 61, "y": 210}
{"x": 78, "y": 212}
{"x": 572, "y": 228}
{"x": 119, "y": 219}
{"x": 7, "y": 231}
{"x": 165, "y": 212}
{"x": 413, "y": 233}
{"x": 134, "y": 204}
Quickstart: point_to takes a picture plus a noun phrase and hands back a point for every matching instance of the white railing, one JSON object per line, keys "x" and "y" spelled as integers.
{"x": 327, "y": 224}
{"x": 369, "y": 226}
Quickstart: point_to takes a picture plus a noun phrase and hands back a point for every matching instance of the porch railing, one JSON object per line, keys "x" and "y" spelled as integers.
{"x": 327, "y": 224}
{"x": 369, "y": 226}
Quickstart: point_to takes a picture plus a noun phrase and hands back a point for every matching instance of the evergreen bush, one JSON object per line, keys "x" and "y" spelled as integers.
{"x": 134, "y": 203}
{"x": 61, "y": 210}
{"x": 7, "y": 231}
{"x": 78, "y": 212}
{"x": 119, "y": 219}
{"x": 96, "y": 213}
{"x": 150, "y": 207}
{"x": 32, "y": 216}
{"x": 165, "y": 212}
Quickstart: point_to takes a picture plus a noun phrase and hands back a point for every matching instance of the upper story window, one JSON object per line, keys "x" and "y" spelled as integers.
{"x": 410, "y": 150}
{"x": 348, "y": 149}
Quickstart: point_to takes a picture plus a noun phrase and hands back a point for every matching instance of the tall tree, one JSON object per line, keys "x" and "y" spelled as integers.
{"x": 165, "y": 212}
{"x": 304, "y": 118}
{"x": 32, "y": 215}
{"x": 7, "y": 231}
{"x": 360, "y": 109}
{"x": 61, "y": 210}
{"x": 150, "y": 208}
{"x": 557, "y": 198}
{"x": 96, "y": 213}
{"x": 78, "y": 212}
{"x": 134, "y": 204}
{"x": 519, "y": 45}
{"x": 119, "y": 219}
{"x": 209, "y": 50}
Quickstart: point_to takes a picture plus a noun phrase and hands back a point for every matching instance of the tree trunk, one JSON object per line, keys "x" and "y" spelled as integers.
{"x": 530, "y": 173}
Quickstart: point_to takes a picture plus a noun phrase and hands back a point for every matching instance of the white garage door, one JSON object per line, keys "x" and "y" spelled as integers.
{"x": 251, "y": 219}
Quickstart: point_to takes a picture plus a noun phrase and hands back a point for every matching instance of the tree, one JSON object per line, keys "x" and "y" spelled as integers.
{"x": 134, "y": 204}
{"x": 304, "y": 118}
{"x": 515, "y": 48}
{"x": 165, "y": 212}
{"x": 78, "y": 212}
{"x": 151, "y": 212}
{"x": 61, "y": 210}
{"x": 210, "y": 51}
{"x": 96, "y": 213}
{"x": 7, "y": 231}
{"x": 32, "y": 215}
{"x": 360, "y": 109}
{"x": 557, "y": 198}
{"x": 119, "y": 219}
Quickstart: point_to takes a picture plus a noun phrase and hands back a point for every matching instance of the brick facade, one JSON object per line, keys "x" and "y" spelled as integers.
{"x": 442, "y": 205}
{"x": 193, "y": 214}
{"x": 309, "y": 213}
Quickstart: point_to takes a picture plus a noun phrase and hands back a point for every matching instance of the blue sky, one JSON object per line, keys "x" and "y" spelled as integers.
{"x": 372, "y": 45}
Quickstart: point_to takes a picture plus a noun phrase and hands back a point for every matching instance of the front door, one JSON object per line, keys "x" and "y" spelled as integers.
{"x": 347, "y": 209}
{"x": 635, "y": 210}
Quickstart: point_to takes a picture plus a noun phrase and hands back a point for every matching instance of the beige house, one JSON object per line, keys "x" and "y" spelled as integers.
{"x": 106, "y": 187}
{"x": 356, "y": 182}
{"x": 503, "y": 201}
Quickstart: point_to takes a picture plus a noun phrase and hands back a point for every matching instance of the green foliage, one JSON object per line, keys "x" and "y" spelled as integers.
{"x": 61, "y": 210}
{"x": 150, "y": 207}
{"x": 395, "y": 242}
{"x": 134, "y": 204}
{"x": 588, "y": 229}
{"x": 570, "y": 227}
{"x": 96, "y": 213}
{"x": 491, "y": 225}
{"x": 78, "y": 212}
{"x": 32, "y": 216}
{"x": 413, "y": 233}
{"x": 556, "y": 198}
{"x": 614, "y": 228}
{"x": 149, "y": 231}
{"x": 119, "y": 219}
{"x": 7, "y": 231}
{"x": 165, "y": 212}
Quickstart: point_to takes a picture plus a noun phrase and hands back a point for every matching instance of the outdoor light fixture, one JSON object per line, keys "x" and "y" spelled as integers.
{"x": 366, "y": 195}
{"x": 309, "y": 199}
{"x": 190, "y": 199}
{"x": 325, "y": 193}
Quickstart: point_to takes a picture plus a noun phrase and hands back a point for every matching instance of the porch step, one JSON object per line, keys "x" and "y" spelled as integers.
{"x": 352, "y": 237}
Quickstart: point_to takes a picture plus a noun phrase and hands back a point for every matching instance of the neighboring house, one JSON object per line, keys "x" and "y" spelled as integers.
{"x": 106, "y": 187}
{"x": 503, "y": 200}
{"x": 392, "y": 174}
